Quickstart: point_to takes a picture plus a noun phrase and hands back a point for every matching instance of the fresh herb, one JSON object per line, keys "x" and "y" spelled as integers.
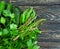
{"x": 18, "y": 30}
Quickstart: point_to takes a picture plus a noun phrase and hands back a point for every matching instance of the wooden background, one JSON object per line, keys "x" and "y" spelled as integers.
{"x": 49, "y": 9}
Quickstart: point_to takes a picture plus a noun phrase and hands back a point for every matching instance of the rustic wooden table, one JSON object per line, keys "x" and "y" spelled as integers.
{"x": 49, "y": 9}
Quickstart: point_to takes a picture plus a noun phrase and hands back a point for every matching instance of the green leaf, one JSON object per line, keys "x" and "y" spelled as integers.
{"x": 1, "y": 47}
{"x": 2, "y": 5}
{"x": 3, "y": 20}
{"x": 5, "y": 41}
{"x": 6, "y": 13}
{"x": 29, "y": 44}
{"x": 13, "y": 26}
{"x": 5, "y": 32}
{"x": 0, "y": 33}
{"x": 38, "y": 31}
{"x": 14, "y": 32}
{"x": 9, "y": 7}
{"x": 36, "y": 47}
{"x": 33, "y": 35}
{"x": 12, "y": 15}
{"x": 16, "y": 11}
{"x": 35, "y": 42}
{"x": 20, "y": 36}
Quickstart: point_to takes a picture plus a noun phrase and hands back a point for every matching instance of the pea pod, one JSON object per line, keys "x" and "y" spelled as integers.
{"x": 22, "y": 18}
{"x": 28, "y": 14}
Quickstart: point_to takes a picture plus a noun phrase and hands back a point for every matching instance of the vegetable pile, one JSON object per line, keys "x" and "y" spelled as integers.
{"x": 18, "y": 30}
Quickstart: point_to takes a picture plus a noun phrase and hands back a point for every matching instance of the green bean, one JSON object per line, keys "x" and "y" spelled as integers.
{"x": 29, "y": 14}
{"x": 38, "y": 31}
{"x": 33, "y": 14}
{"x": 23, "y": 16}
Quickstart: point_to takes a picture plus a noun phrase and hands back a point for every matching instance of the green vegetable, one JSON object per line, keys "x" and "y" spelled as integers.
{"x": 9, "y": 7}
{"x": 29, "y": 14}
{"x": 33, "y": 14}
{"x": 18, "y": 30}
{"x": 6, "y": 13}
{"x": 13, "y": 26}
{"x": 23, "y": 16}
{"x": 2, "y": 20}
{"x": 5, "y": 32}
{"x": 2, "y": 6}
{"x": 0, "y": 33}
{"x": 12, "y": 15}
{"x": 36, "y": 47}
{"x": 29, "y": 44}
{"x": 17, "y": 12}
{"x": 26, "y": 14}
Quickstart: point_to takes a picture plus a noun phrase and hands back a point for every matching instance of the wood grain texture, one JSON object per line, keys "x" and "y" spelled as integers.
{"x": 5, "y": 1}
{"x": 54, "y": 44}
{"x": 51, "y": 13}
{"x": 50, "y": 37}
{"x": 49, "y": 45}
{"x": 35, "y": 2}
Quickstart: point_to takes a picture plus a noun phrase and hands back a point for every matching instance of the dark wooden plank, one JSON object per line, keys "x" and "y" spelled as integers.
{"x": 49, "y": 44}
{"x": 50, "y": 35}
{"x": 51, "y": 13}
{"x": 49, "y": 47}
{"x": 43, "y": 1}
{"x": 35, "y": 2}
{"x": 51, "y": 28}
{"x": 5, "y": 1}
{"x": 50, "y": 38}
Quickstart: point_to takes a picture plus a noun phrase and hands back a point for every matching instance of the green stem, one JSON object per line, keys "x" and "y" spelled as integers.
{"x": 30, "y": 20}
{"x": 30, "y": 27}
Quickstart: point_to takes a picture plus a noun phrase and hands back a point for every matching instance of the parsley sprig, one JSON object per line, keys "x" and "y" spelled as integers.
{"x": 18, "y": 30}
